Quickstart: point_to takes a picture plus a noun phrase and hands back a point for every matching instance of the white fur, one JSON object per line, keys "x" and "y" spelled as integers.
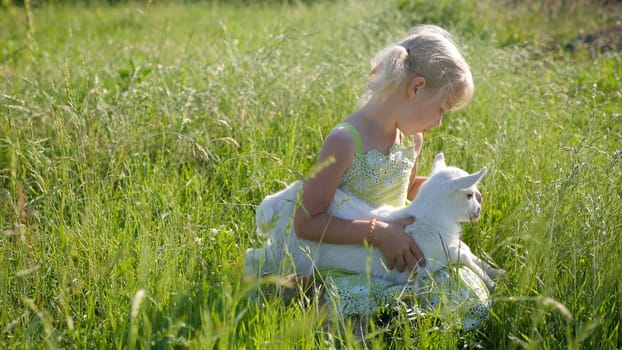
{"x": 449, "y": 196}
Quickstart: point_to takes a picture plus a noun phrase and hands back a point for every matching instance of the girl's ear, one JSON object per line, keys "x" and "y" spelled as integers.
{"x": 414, "y": 86}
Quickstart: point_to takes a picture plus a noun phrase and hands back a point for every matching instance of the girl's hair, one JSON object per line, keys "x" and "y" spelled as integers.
{"x": 427, "y": 51}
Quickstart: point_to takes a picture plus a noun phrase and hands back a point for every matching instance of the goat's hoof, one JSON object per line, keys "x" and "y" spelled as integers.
{"x": 496, "y": 273}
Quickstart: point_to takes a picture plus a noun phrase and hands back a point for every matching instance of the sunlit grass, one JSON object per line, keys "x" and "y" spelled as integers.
{"x": 136, "y": 141}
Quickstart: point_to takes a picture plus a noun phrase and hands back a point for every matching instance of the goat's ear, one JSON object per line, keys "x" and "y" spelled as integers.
{"x": 439, "y": 162}
{"x": 468, "y": 180}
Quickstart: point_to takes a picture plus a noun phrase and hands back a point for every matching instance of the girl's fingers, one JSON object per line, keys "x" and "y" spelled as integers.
{"x": 400, "y": 264}
{"x": 407, "y": 221}
{"x": 416, "y": 251}
{"x": 410, "y": 261}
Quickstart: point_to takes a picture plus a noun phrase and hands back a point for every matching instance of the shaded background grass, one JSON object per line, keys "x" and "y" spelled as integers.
{"x": 137, "y": 139}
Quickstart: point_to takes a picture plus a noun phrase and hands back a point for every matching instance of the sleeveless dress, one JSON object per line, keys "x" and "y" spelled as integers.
{"x": 453, "y": 294}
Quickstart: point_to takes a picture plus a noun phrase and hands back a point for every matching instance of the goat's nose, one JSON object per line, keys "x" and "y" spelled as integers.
{"x": 479, "y": 198}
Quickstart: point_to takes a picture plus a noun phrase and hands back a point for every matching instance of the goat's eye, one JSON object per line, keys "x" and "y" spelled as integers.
{"x": 469, "y": 196}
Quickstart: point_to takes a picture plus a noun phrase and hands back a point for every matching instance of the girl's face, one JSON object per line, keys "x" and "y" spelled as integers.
{"x": 427, "y": 115}
{"x": 422, "y": 111}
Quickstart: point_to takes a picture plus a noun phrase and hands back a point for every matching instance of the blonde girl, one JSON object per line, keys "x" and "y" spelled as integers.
{"x": 373, "y": 153}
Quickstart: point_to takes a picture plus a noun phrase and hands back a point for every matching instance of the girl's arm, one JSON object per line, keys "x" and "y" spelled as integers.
{"x": 312, "y": 222}
{"x": 416, "y": 181}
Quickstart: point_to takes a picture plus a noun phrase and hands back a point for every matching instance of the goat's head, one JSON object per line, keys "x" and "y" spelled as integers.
{"x": 453, "y": 190}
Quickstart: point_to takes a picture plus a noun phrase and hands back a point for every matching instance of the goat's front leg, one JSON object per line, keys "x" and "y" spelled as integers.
{"x": 473, "y": 262}
{"x": 490, "y": 270}
{"x": 464, "y": 256}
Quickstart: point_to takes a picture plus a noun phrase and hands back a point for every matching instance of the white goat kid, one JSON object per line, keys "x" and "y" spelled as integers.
{"x": 449, "y": 196}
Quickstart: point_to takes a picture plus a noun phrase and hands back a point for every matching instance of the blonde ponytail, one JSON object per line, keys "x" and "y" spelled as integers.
{"x": 388, "y": 71}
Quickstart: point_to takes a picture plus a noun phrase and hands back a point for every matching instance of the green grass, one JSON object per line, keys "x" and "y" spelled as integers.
{"x": 137, "y": 140}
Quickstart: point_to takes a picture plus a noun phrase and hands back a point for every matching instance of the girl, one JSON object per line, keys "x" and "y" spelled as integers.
{"x": 373, "y": 154}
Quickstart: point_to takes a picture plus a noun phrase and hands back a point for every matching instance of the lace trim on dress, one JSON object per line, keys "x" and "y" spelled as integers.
{"x": 381, "y": 179}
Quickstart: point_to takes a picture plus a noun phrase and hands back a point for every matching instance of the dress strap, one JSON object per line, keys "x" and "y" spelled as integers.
{"x": 356, "y": 136}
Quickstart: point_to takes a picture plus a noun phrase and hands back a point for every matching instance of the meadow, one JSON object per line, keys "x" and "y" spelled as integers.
{"x": 136, "y": 140}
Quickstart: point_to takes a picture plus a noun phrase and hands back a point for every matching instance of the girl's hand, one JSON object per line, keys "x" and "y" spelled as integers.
{"x": 398, "y": 248}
